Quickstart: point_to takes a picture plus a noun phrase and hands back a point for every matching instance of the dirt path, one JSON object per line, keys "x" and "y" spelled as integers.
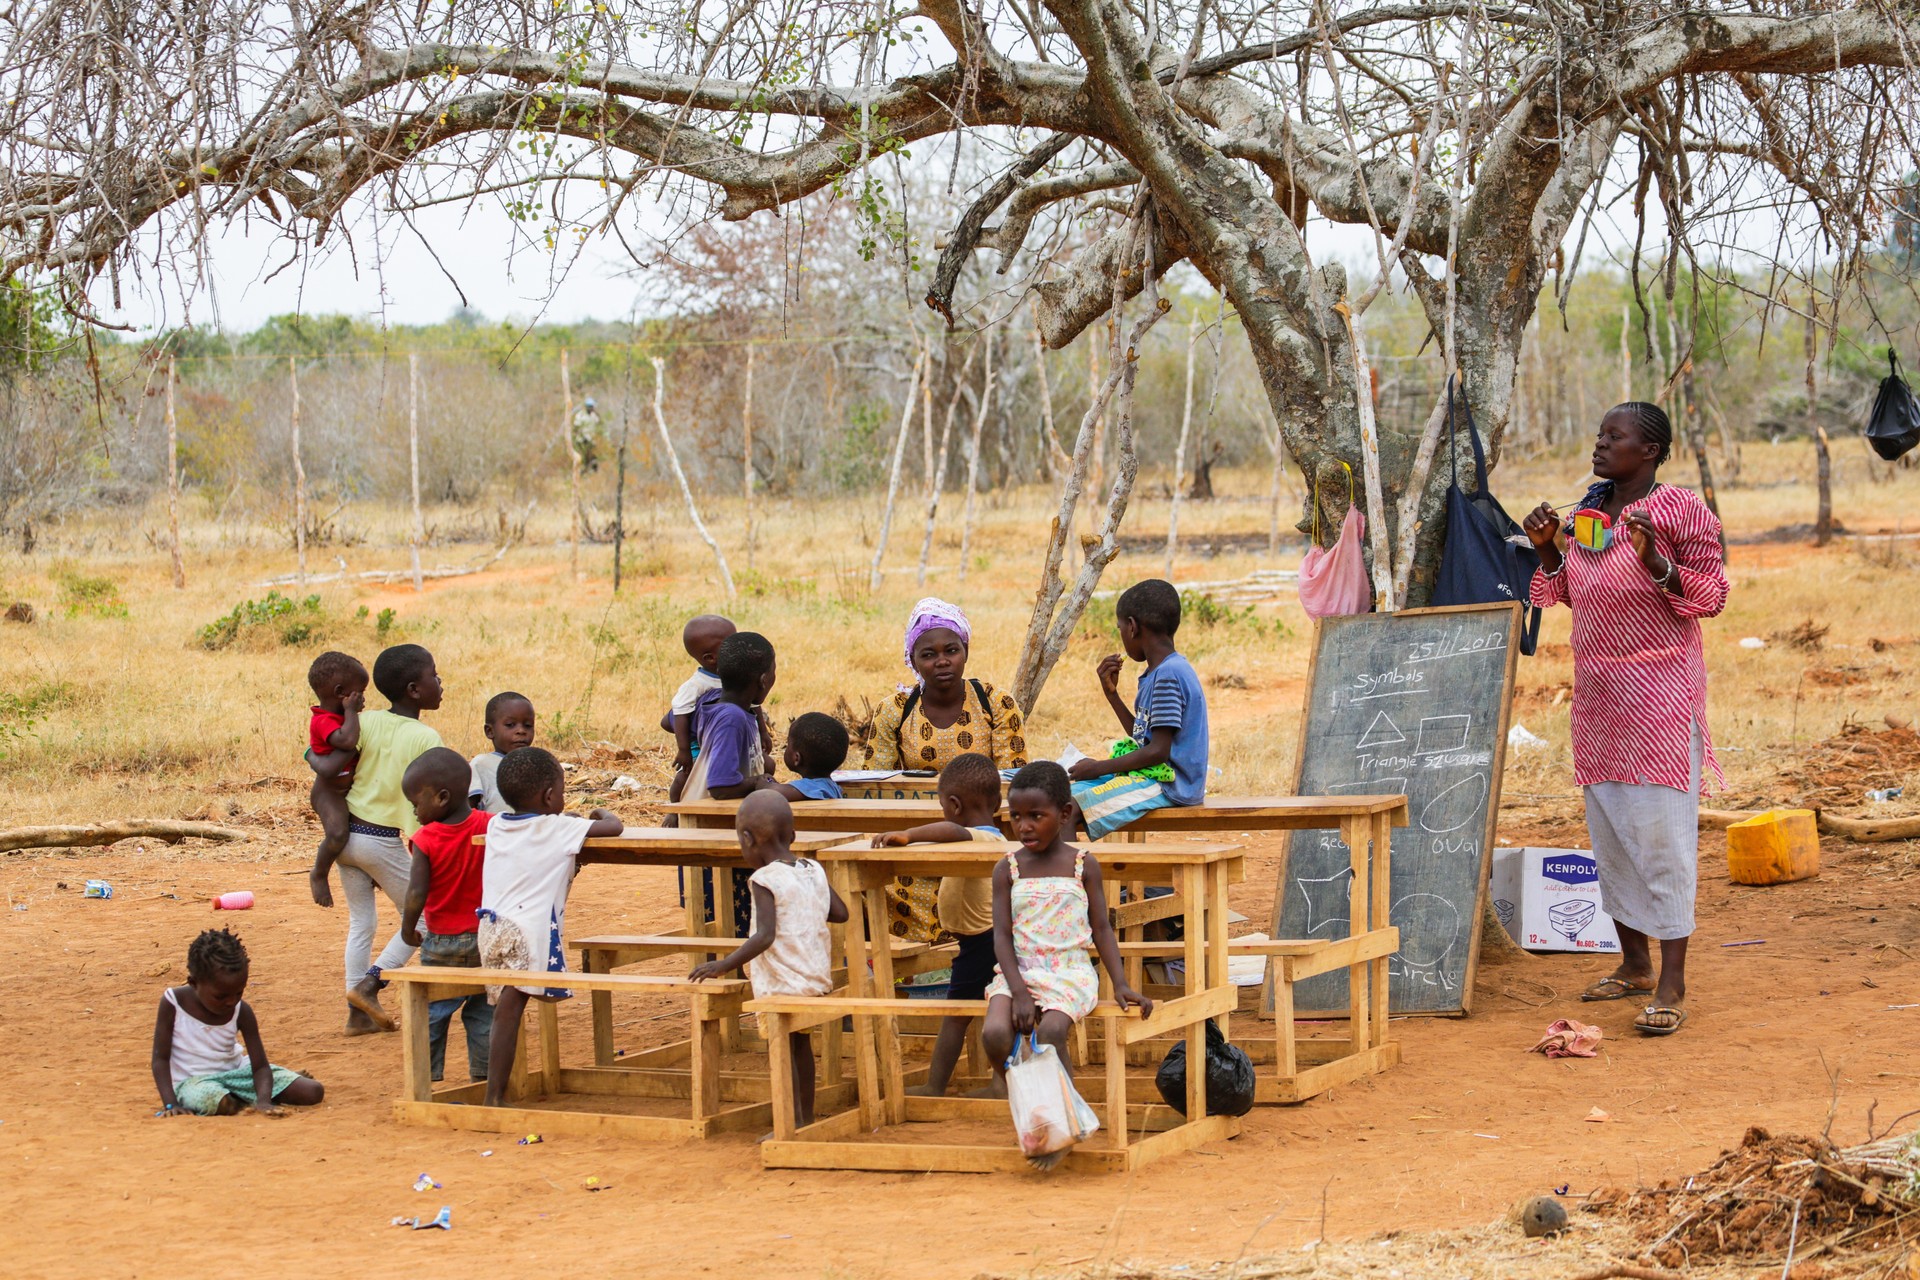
{"x": 1468, "y": 1125}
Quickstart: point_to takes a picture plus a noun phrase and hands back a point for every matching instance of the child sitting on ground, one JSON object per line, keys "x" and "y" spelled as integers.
{"x": 199, "y": 1062}
{"x": 339, "y": 685}
{"x": 788, "y": 945}
{"x": 1167, "y": 723}
{"x": 731, "y": 763}
{"x": 377, "y": 810}
{"x": 445, "y": 886}
{"x": 816, "y": 746}
{"x": 532, "y": 855}
{"x": 508, "y": 726}
{"x": 970, "y": 798}
{"x": 701, "y": 638}
{"x": 1048, "y": 908}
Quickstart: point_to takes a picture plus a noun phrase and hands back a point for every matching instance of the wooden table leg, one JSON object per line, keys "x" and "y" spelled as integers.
{"x": 779, "y": 1073}
{"x": 1116, "y": 1083}
{"x": 416, "y": 1048}
{"x": 593, "y": 961}
{"x": 704, "y": 1062}
{"x": 1217, "y": 926}
{"x": 1192, "y": 887}
{"x": 1382, "y": 911}
{"x": 1358, "y": 833}
{"x": 866, "y": 1064}
{"x": 893, "y": 1082}
{"x": 549, "y": 1017}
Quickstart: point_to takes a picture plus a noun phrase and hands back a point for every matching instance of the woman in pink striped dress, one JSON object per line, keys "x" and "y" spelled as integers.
{"x": 1640, "y": 741}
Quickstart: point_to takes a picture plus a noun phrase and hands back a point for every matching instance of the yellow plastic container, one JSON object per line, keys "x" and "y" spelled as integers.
{"x": 1774, "y": 847}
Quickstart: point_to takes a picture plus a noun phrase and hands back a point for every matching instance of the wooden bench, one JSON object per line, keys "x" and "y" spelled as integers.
{"x": 718, "y": 1101}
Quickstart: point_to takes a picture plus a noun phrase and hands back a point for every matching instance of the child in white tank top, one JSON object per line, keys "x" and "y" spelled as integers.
{"x": 789, "y": 953}
{"x": 207, "y": 1055}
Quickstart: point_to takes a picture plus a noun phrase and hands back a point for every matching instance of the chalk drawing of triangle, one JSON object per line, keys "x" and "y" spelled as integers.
{"x": 1383, "y": 732}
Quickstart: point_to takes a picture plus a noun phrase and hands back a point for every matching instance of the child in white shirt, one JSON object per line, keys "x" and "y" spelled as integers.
{"x": 790, "y": 950}
{"x": 530, "y": 865}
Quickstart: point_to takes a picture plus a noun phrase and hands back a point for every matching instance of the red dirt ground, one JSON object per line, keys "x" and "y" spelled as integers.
{"x": 1469, "y": 1124}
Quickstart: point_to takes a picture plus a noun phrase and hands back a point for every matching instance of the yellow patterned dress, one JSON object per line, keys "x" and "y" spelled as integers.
{"x": 904, "y": 739}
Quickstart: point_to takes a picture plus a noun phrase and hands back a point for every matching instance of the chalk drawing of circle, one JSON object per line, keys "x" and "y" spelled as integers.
{"x": 1455, "y": 807}
{"x": 1427, "y": 946}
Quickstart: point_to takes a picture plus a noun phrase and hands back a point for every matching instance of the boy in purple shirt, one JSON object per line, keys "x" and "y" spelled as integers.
{"x": 731, "y": 763}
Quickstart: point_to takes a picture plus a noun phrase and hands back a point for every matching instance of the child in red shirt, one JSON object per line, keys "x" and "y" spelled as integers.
{"x": 445, "y": 886}
{"x": 339, "y": 686}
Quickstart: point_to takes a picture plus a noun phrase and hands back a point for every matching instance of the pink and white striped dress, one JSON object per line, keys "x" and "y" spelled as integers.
{"x": 1639, "y": 671}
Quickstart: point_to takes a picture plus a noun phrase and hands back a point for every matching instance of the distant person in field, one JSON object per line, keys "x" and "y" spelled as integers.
{"x": 970, "y": 805}
{"x": 339, "y": 685}
{"x": 532, "y": 855}
{"x": 788, "y": 950}
{"x": 1162, "y": 761}
{"x": 732, "y": 762}
{"x": 208, "y": 1059}
{"x": 508, "y": 727}
{"x": 816, "y": 746}
{"x": 443, "y": 887}
{"x": 1638, "y": 584}
{"x": 375, "y": 856}
{"x": 924, "y": 725}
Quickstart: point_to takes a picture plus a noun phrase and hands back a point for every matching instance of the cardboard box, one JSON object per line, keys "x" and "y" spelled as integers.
{"x": 1549, "y": 900}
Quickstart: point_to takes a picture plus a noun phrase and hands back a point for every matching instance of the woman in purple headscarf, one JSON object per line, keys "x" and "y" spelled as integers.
{"x": 926, "y": 724}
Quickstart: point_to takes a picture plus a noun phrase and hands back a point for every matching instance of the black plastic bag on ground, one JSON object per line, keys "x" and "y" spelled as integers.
{"x": 1230, "y": 1083}
{"x": 1894, "y": 425}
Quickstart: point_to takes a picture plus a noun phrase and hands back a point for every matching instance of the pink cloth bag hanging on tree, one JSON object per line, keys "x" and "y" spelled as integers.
{"x": 1333, "y": 580}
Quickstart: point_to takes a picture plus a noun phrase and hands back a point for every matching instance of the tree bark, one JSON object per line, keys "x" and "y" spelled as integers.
{"x": 893, "y": 476}
{"x": 679, "y": 476}
{"x": 173, "y": 485}
{"x": 1823, "y": 461}
{"x": 418, "y": 535}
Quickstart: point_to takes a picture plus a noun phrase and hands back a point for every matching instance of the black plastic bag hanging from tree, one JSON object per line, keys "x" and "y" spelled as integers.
{"x": 1894, "y": 426}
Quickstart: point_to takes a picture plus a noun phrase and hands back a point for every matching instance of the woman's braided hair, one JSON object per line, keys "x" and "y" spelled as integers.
{"x": 215, "y": 951}
{"x": 1655, "y": 427}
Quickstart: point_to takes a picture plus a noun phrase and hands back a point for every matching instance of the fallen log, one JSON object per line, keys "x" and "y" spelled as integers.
{"x": 1860, "y": 830}
{"x": 94, "y": 834}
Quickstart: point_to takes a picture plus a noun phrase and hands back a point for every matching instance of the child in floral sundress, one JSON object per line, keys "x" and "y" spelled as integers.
{"x": 1048, "y": 910}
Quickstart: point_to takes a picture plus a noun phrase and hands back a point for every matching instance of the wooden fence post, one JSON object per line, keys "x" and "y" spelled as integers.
{"x": 173, "y": 483}
{"x": 746, "y": 453}
{"x": 573, "y": 454}
{"x": 419, "y": 534}
{"x": 299, "y": 481}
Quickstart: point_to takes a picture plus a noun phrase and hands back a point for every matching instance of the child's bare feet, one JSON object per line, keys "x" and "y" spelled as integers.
{"x": 359, "y": 1024}
{"x": 364, "y": 995}
{"x": 229, "y": 1106}
{"x": 925, "y": 1091}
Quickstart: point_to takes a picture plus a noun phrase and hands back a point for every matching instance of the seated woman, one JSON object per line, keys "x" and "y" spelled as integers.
{"x": 926, "y": 724}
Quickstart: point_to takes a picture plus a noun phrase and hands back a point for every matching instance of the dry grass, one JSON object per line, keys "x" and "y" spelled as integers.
{"x": 135, "y": 719}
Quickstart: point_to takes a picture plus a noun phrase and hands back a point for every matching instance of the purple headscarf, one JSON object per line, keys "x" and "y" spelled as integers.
{"x": 933, "y": 614}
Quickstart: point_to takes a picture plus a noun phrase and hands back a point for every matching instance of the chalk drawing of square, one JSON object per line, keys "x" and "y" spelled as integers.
{"x": 1327, "y": 903}
{"x": 1440, "y": 734}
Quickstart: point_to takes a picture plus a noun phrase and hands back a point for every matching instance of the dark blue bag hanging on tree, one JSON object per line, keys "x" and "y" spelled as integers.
{"x": 1479, "y": 564}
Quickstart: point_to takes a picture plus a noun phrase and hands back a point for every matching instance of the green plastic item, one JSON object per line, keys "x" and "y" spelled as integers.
{"x": 1158, "y": 773}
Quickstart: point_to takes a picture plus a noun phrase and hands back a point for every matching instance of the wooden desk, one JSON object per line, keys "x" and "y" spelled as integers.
{"x": 898, "y": 787}
{"x": 1202, "y": 872}
{"x": 696, "y": 849}
{"x": 865, "y": 817}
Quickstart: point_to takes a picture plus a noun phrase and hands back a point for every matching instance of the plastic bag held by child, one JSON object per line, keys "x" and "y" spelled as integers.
{"x": 1048, "y": 1112}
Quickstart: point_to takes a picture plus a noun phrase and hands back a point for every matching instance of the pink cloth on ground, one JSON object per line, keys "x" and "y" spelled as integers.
{"x": 1569, "y": 1039}
{"x": 1333, "y": 580}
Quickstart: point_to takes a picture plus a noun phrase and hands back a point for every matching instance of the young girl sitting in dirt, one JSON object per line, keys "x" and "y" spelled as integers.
{"x": 198, "y": 1061}
{"x": 1048, "y": 909}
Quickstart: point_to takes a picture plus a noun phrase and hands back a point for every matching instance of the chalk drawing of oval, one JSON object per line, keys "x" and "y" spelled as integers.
{"x": 1456, "y": 806}
{"x": 1429, "y": 945}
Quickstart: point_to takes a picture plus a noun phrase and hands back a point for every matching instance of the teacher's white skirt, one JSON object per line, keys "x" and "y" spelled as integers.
{"x": 1646, "y": 842}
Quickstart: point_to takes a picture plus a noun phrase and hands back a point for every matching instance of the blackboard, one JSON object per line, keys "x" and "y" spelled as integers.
{"x": 1415, "y": 702}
